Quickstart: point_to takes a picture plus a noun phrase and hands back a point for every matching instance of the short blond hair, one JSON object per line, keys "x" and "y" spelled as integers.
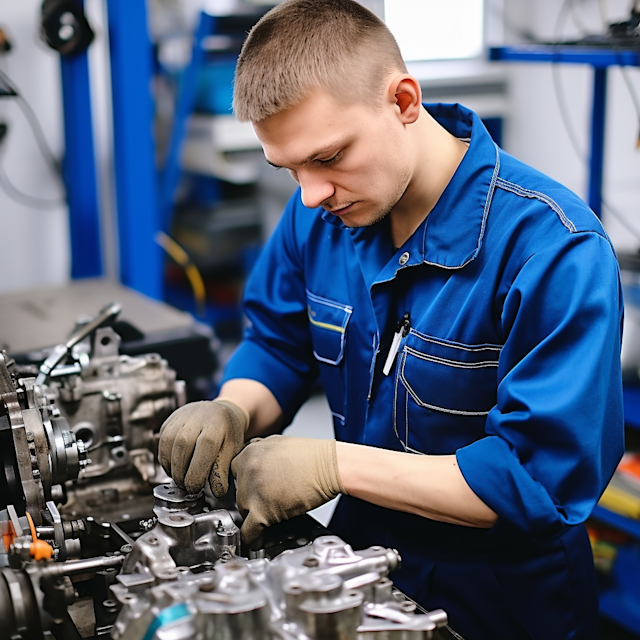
{"x": 299, "y": 45}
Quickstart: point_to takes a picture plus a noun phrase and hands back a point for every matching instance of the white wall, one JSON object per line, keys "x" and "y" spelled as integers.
{"x": 34, "y": 250}
{"x": 536, "y": 134}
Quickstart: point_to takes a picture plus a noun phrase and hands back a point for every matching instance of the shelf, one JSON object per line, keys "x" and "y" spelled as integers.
{"x": 598, "y": 57}
{"x": 620, "y": 595}
{"x": 621, "y": 523}
{"x": 631, "y": 400}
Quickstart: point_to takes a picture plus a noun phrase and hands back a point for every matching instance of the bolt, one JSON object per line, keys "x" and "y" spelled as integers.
{"x": 147, "y": 524}
{"x": 36, "y": 474}
{"x": 30, "y": 436}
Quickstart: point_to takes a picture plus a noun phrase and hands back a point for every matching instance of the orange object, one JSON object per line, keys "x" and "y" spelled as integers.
{"x": 8, "y": 538}
{"x": 630, "y": 464}
{"x": 39, "y": 549}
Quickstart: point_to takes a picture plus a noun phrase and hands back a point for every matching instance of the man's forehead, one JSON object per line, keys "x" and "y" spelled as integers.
{"x": 315, "y": 126}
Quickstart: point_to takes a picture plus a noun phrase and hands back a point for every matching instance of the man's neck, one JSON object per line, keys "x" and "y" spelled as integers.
{"x": 437, "y": 156}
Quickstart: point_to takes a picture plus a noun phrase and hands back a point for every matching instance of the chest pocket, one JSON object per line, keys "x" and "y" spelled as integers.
{"x": 443, "y": 392}
{"x": 328, "y": 323}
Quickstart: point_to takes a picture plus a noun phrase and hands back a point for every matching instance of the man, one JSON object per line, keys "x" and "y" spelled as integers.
{"x": 464, "y": 314}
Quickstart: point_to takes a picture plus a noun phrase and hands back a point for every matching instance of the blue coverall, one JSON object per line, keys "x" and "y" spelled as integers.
{"x": 509, "y": 303}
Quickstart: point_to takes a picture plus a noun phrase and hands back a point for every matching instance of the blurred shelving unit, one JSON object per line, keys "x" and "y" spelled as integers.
{"x": 620, "y": 591}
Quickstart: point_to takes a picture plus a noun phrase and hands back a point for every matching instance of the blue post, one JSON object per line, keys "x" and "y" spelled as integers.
{"x": 596, "y": 161}
{"x": 136, "y": 180}
{"x": 79, "y": 168}
{"x": 184, "y": 107}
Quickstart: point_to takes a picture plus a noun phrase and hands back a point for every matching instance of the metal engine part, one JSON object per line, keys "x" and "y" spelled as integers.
{"x": 87, "y": 400}
{"x": 92, "y": 400}
{"x": 116, "y": 404}
{"x": 185, "y": 579}
{"x": 39, "y": 450}
{"x": 35, "y": 598}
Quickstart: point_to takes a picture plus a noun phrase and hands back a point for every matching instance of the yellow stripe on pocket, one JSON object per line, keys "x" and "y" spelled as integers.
{"x": 324, "y": 325}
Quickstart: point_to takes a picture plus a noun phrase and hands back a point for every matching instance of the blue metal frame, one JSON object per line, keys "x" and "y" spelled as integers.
{"x": 596, "y": 159}
{"x": 567, "y": 54}
{"x": 136, "y": 179}
{"x": 79, "y": 168}
{"x": 598, "y": 58}
{"x": 184, "y": 107}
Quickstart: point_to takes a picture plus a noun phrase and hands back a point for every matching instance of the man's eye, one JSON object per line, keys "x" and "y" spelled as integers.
{"x": 330, "y": 161}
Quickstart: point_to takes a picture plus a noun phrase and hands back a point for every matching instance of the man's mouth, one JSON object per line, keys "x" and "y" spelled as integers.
{"x": 342, "y": 211}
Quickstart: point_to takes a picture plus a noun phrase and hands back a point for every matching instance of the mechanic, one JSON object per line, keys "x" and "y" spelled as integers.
{"x": 463, "y": 312}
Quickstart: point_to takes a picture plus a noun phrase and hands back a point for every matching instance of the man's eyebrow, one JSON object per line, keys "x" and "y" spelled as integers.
{"x": 326, "y": 148}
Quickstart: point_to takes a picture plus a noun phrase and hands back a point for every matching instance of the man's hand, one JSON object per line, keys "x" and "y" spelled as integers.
{"x": 199, "y": 441}
{"x": 280, "y": 477}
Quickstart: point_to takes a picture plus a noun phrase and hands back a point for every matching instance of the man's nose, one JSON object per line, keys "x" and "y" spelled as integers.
{"x": 315, "y": 189}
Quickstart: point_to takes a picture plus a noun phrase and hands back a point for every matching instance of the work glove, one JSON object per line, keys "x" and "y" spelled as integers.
{"x": 199, "y": 441}
{"x": 280, "y": 477}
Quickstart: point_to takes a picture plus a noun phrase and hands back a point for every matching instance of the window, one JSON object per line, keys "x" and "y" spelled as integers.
{"x": 436, "y": 29}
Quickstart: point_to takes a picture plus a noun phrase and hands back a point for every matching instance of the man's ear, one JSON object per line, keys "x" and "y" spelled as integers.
{"x": 405, "y": 94}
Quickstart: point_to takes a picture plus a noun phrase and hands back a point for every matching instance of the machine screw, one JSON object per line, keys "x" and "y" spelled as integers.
{"x": 147, "y": 525}
{"x": 30, "y": 436}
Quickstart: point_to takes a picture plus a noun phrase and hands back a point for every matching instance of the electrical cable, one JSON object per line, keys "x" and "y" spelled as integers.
{"x": 568, "y": 124}
{"x": 178, "y": 254}
{"x": 634, "y": 98}
{"x": 521, "y": 32}
{"x": 603, "y": 7}
{"x": 25, "y": 199}
{"x": 6, "y": 185}
{"x": 577, "y": 20}
{"x": 34, "y": 123}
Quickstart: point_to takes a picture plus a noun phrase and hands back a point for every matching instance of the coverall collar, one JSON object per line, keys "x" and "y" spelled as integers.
{"x": 451, "y": 235}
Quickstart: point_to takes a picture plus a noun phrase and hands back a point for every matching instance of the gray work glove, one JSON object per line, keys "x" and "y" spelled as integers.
{"x": 199, "y": 441}
{"x": 280, "y": 477}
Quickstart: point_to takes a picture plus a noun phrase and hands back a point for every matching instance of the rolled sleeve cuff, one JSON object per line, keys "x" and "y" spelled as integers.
{"x": 496, "y": 476}
{"x": 289, "y": 387}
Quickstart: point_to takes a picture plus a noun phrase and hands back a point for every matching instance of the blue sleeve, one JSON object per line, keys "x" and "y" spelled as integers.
{"x": 276, "y": 349}
{"x": 555, "y": 436}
